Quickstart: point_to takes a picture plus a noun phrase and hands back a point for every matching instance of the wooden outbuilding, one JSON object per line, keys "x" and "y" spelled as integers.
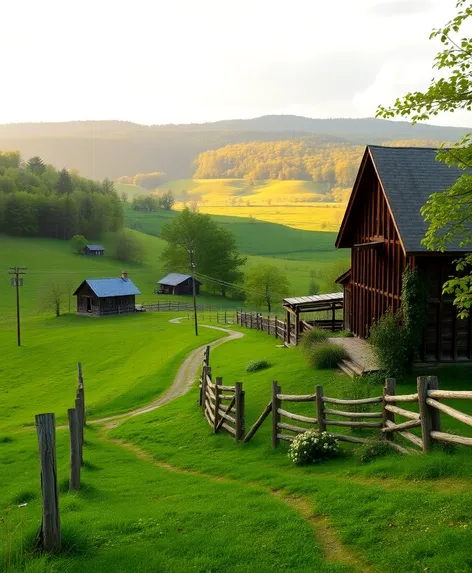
{"x": 103, "y": 297}
{"x": 176, "y": 283}
{"x": 383, "y": 227}
{"x": 94, "y": 250}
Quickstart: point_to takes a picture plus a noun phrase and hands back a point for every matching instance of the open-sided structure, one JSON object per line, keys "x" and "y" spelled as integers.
{"x": 296, "y": 306}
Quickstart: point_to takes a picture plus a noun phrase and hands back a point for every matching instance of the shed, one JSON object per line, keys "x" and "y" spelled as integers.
{"x": 103, "y": 297}
{"x": 94, "y": 250}
{"x": 383, "y": 227}
{"x": 176, "y": 283}
{"x": 295, "y": 306}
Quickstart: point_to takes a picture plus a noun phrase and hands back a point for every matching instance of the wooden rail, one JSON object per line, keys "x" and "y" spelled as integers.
{"x": 220, "y": 416}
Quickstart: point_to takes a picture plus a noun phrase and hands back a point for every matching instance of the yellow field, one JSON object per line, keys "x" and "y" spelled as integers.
{"x": 308, "y": 216}
{"x": 296, "y": 204}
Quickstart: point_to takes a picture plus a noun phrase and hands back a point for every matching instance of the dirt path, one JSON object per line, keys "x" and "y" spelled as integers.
{"x": 182, "y": 382}
{"x": 324, "y": 534}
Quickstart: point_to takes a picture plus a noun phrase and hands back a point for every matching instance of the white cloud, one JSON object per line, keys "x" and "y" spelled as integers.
{"x": 180, "y": 60}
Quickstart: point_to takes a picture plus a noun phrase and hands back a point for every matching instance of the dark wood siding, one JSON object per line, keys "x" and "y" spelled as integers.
{"x": 376, "y": 271}
{"x": 447, "y": 337}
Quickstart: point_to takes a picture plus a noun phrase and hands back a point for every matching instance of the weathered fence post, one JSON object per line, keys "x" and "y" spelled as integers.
{"x": 320, "y": 414}
{"x": 389, "y": 390}
{"x": 50, "y": 533}
{"x": 275, "y": 414}
{"x": 426, "y": 412}
{"x": 203, "y": 387}
{"x": 81, "y": 389}
{"x": 78, "y": 407}
{"x": 218, "y": 383}
{"x": 433, "y": 384}
{"x": 207, "y": 355}
{"x": 250, "y": 316}
{"x": 276, "y": 326}
{"x": 74, "y": 478}
{"x": 239, "y": 405}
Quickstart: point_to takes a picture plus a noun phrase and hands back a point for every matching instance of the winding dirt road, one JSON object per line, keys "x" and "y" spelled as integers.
{"x": 182, "y": 382}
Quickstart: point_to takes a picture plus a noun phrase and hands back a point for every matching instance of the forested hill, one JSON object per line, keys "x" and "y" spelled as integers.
{"x": 100, "y": 149}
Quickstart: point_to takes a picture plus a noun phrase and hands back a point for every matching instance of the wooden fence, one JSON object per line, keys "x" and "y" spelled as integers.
{"x": 278, "y": 328}
{"x": 222, "y": 406}
{"x": 356, "y": 414}
{"x": 177, "y": 306}
{"x": 49, "y": 536}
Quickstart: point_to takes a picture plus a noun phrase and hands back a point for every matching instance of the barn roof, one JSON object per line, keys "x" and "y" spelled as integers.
{"x": 174, "y": 279}
{"x": 104, "y": 288}
{"x": 408, "y": 175}
{"x": 95, "y": 247}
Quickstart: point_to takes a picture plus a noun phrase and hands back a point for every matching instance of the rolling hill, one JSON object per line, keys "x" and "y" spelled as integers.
{"x": 110, "y": 149}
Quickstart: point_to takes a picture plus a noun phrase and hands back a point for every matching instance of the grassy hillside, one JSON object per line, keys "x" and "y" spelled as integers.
{"x": 235, "y": 192}
{"x": 254, "y": 236}
{"x": 131, "y": 191}
{"x": 113, "y": 148}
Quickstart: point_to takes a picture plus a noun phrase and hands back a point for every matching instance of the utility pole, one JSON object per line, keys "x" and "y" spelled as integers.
{"x": 191, "y": 252}
{"x": 16, "y": 280}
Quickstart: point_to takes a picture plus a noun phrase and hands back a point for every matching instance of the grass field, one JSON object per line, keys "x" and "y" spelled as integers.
{"x": 131, "y": 191}
{"x": 296, "y": 204}
{"x": 162, "y": 493}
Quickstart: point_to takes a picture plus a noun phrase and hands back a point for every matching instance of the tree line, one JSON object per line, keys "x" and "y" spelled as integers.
{"x": 37, "y": 200}
{"x": 332, "y": 165}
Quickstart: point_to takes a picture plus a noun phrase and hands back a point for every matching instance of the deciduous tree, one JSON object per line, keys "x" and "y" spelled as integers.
{"x": 266, "y": 285}
{"x": 217, "y": 259}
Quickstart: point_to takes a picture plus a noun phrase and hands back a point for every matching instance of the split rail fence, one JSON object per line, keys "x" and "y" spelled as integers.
{"x": 49, "y": 536}
{"x": 382, "y": 414}
{"x": 222, "y": 405}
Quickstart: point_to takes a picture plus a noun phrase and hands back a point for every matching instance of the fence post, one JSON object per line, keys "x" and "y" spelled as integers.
{"x": 74, "y": 436}
{"x": 50, "y": 533}
{"x": 251, "y": 321}
{"x": 219, "y": 382}
{"x": 320, "y": 409}
{"x": 275, "y": 327}
{"x": 78, "y": 407}
{"x": 275, "y": 415}
{"x": 81, "y": 389}
{"x": 239, "y": 405}
{"x": 389, "y": 390}
{"x": 426, "y": 412}
{"x": 225, "y": 318}
{"x": 203, "y": 386}
{"x": 433, "y": 384}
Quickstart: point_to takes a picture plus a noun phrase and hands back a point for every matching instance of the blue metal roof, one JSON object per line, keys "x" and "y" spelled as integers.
{"x": 174, "y": 279}
{"x": 112, "y": 287}
{"x": 95, "y": 247}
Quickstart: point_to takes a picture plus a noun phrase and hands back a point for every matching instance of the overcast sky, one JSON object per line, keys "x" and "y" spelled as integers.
{"x": 162, "y": 61}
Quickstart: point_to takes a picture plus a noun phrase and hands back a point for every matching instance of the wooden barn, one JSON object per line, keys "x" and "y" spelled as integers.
{"x": 383, "y": 227}
{"x": 103, "y": 297}
{"x": 176, "y": 283}
{"x": 94, "y": 250}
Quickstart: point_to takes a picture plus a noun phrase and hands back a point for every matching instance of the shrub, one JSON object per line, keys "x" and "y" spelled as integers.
{"x": 390, "y": 343}
{"x": 313, "y": 337}
{"x": 376, "y": 449}
{"x": 344, "y": 334}
{"x": 325, "y": 355}
{"x": 313, "y": 446}
{"x": 255, "y": 365}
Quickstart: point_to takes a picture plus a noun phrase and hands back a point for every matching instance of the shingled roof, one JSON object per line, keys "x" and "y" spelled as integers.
{"x": 409, "y": 175}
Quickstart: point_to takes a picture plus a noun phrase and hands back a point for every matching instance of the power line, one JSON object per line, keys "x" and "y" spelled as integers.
{"x": 17, "y": 281}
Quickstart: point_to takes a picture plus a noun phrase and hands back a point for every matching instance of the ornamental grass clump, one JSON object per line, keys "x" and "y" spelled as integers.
{"x": 312, "y": 447}
{"x": 256, "y": 365}
{"x": 314, "y": 336}
{"x": 325, "y": 355}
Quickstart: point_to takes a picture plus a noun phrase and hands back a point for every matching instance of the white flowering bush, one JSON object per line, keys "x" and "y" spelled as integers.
{"x": 312, "y": 447}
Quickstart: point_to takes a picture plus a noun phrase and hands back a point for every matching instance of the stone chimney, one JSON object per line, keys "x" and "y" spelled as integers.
{"x": 124, "y": 275}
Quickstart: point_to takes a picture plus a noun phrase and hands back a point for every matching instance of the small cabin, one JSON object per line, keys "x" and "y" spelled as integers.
{"x": 104, "y": 297}
{"x": 176, "y": 283}
{"x": 383, "y": 228}
{"x": 94, "y": 250}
